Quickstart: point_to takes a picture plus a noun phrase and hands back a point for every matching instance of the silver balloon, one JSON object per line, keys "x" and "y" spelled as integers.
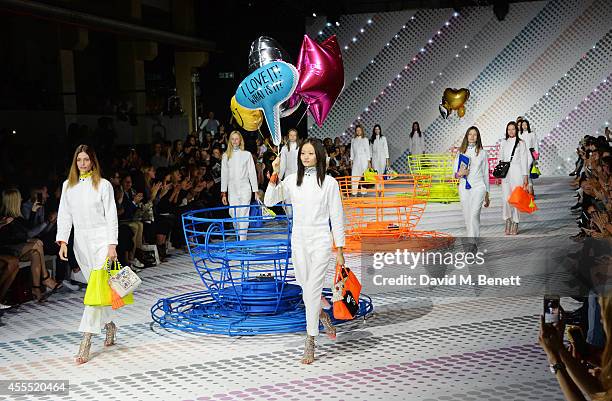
{"x": 265, "y": 50}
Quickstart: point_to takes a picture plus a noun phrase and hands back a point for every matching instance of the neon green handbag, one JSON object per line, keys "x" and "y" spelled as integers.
{"x": 99, "y": 291}
{"x": 370, "y": 175}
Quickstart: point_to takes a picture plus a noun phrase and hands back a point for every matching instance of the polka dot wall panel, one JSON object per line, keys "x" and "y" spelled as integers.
{"x": 549, "y": 61}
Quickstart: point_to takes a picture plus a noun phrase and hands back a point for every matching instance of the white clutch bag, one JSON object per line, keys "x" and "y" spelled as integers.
{"x": 124, "y": 282}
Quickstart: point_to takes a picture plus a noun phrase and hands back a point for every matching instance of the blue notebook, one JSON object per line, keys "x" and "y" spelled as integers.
{"x": 465, "y": 161}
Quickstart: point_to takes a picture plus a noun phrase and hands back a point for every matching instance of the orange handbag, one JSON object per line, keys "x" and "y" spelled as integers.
{"x": 346, "y": 292}
{"x": 522, "y": 200}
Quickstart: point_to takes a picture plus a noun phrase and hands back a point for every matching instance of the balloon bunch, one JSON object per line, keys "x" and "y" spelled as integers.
{"x": 453, "y": 99}
{"x": 275, "y": 88}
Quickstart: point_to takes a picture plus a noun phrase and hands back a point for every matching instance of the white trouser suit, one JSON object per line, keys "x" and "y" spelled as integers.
{"x": 360, "y": 155}
{"x": 311, "y": 240}
{"x": 288, "y": 165}
{"x": 416, "y": 143}
{"x": 516, "y": 174}
{"x": 472, "y": 199}
{"x": 239, "y": 180}
{"x": 380, "y": 154}
{"x": 531, "y": 142}
{"x": 94, "y": 216}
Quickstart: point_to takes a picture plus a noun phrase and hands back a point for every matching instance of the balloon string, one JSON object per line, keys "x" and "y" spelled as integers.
{"x": 301, "y": 118}
{"x": 267, "y": 142}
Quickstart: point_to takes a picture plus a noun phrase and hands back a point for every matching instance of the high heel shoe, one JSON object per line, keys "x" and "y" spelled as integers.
{"x": 111, "y": 331}
{"x": 309, "y": 347}
{"x": 330, "y": 330}
{"x": 38, "y": 294}
{"x": 52, "y": 290}
{"x": 514, "y": 229}
{"x": 83, "y": 355}
{"x": 508, "y": 226}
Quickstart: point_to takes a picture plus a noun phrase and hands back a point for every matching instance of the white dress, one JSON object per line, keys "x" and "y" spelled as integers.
{"x": 518, "y": 170}
{"x": 472, "y": 199}
{"x": 380, "y": 154}
{"x": 94, "y": 216}
{"x": 360, "y": 155}
{"x": 239, "y": 180}
{"x": 311, "y": 240}
{"x": 416, "y": 143}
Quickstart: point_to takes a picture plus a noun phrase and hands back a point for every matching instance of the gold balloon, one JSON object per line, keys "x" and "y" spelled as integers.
{"x": 454, "y": 99}
{"x": 248, "y": 119}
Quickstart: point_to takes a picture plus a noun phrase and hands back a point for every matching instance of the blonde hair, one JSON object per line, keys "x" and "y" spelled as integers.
{"x": 230, "y": 148}
{"x": 605, "y": 303}
{"x": 96, "y": 174}
{"x": 11, "y": 203}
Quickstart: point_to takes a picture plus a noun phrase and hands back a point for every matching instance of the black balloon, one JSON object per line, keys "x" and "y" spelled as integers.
{"x": 265, "y": 50}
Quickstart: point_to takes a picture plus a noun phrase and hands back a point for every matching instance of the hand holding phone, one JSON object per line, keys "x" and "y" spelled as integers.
{"x": 552, "y": 309}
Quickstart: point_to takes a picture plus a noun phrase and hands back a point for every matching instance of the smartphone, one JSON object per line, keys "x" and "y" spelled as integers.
{"x": 551, "y": 309}
{"x": 39, "y": 197}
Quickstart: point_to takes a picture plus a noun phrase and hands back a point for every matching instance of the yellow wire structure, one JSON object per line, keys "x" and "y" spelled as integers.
{"x": 440, "y": 167}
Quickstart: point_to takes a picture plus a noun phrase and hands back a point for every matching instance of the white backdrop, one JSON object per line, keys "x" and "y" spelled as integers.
{"x": 549, "y": 61}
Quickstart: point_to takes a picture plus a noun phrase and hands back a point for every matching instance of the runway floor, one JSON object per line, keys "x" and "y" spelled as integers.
{"x": 418, "y": 345}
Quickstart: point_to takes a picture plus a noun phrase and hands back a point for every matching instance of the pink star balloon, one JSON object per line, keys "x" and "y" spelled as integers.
{"x": 321, "y": 76}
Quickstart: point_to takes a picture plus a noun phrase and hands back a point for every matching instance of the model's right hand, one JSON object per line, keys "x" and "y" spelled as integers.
{"x": 63, "y": 252}
{"x": 224, "y": 199}
{"x": 276, "y": 165}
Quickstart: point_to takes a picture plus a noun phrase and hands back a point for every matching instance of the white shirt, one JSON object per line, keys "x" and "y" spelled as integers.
{"x": 313, "y": 206}
{"x": 289, "y": 157}
{"x": 520, "y": 162}
{"x": 360, "y": 149}
{"x": 479, "y": 167}
{"x": 239, "y": 171}
{"x": 88, "y": 209}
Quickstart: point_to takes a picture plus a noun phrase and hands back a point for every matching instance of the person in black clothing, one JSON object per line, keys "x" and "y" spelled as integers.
{"x": 14, "y": 240}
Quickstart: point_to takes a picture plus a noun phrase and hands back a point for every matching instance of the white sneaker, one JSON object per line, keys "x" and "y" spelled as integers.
{"x": 3, "y": 306}
{"x": 70, "y": 286}
{"x": 137, "y": 263}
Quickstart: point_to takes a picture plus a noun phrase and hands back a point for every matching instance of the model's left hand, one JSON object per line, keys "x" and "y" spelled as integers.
{"x": 112, "y": 252}
{"x": 487, "y": 201}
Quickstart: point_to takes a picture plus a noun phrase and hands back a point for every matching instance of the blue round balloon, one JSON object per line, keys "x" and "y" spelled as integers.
{"x": 266, "y": 89}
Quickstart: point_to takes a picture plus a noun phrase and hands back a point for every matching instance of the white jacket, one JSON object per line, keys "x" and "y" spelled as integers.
{"x": 238, "y": 172}
{"x": 289, "y": 160}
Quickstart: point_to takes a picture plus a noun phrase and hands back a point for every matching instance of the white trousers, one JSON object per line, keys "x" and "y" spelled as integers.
{"x": 311, "y": 251}
{"x": 471, "y": 203}
{"x": 236, "y": 197}
{"x": 90, "y": 250}
{"x": 94, "y": 317}
{"x": 359, "y": 167}
{"x": 509, "y": 211}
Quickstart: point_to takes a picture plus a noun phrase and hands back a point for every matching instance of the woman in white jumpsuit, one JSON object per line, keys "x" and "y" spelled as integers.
{"x": 289, "y": 155}
{"x": 477, "y": 175}
{"x": 416, "y": 140}
{"x": 238, "y": 182}
{"x": 88, "y": 204}
{"x": 380, "y": 150}
{"x": 517, "y": 174}
{"x": 361, "y": 158}
{"x": 289, "y": 159}
{"x": 316, "y": 202}
{"x": 531, "y": 142}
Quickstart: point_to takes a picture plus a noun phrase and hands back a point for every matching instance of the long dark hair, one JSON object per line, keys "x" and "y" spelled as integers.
{"x": 374, "y": 133}
{"x": 520, "y": 124}
{"x": 418, "y": 129}
{"x": 515, "y": 129}
{"x": 465, "y": 142}
{"x": 321, "y": 156}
